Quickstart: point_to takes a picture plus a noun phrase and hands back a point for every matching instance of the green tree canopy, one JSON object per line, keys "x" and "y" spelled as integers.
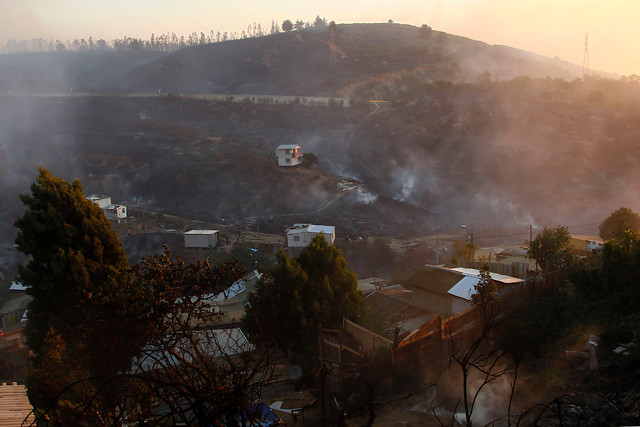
{"x": 463, "y": 253}
{"x": 485, "y": 297}
{"x": 287, "y": 25}
{"x": 301, "y": 293}
{"x": 425, "y": 31}
{"x": 624, "y": 219}
{"x": 551, "y": 249}
{"x": 85, "y": 310}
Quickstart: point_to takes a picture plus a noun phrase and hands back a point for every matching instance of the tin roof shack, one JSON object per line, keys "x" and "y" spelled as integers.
{"x": 289, "y": 155}
{"x": 201, "y": 238}
{"x": 448, "y": 290}
{"x": 300, "y": 235}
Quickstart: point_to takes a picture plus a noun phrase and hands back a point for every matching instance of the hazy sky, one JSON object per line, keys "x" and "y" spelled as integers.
{"x": 548, "y": 27}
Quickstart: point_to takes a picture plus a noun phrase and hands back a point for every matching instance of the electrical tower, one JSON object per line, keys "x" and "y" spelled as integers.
{"x": 585, "y": 59}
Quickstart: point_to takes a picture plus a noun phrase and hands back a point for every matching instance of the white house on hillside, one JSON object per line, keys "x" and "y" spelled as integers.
{"x": 111, "y": 211}
{"x": 289, "y": 155}
{"x": 300, "y": 235}
{"x": 101, "y": 201}
{"x": 201, "y": 238}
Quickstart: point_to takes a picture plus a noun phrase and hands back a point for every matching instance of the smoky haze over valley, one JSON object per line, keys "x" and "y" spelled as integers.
{"x": 464, "y": 133}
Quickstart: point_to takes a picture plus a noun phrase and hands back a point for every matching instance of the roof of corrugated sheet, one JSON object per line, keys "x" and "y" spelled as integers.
{"x": 392, "y": 310}
{"x": 288, "y": 147}
{"x": 16, "y": 304}
{"x": 436, "y": 279}
{"x": 311, "y": 228}
{"x": 202, "y": 232}
{"x": 495, "y": 276}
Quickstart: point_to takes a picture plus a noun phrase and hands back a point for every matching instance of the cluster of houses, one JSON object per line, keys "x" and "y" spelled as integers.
{"x": 417, "y": 317}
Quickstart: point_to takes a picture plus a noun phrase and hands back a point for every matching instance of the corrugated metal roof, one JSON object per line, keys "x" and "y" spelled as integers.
{"x": 495, "y": 276}
{"x": 437, "y": 279}
{"x": 202, "y": 232}
{"x": 465, "y": 287}
{"x": 18, "y": 287}
{"x": 287, "y": 147}
{"x": 16, "y": 304}
{"x": 311, "y": 228}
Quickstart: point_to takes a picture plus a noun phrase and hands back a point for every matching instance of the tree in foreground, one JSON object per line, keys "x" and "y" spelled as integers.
{"x": 192, "y": 371}
{"x": 302, "y": 293}
{"x": 551, "y": 249}
{"x": 475, "y": 353}
{"x": 84, "y": 319}
{"x": 620, "y": 221}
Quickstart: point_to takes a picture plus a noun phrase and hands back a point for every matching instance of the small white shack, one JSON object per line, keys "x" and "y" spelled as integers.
{"x": 201, "y": 238}
{"x": 289, "y": 155}
{"x": 115, "y": 212}
{"x": 300, "y": 235}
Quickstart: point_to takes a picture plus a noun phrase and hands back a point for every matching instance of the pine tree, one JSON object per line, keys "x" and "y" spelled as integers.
{"x": 85, "y": 313}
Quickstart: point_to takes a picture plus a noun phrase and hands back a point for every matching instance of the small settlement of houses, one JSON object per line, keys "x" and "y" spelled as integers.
{"x": 418, "y": 320}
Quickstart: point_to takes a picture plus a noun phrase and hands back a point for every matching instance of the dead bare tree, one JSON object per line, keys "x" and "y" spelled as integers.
{"x": 474, "y": 351}
{"x": 189, "y": 369}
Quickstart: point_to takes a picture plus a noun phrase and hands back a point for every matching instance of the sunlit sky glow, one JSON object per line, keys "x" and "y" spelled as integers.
{"x": 548, "y": 27}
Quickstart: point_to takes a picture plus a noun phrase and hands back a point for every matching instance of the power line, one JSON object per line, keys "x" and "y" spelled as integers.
{"x": 527, "y": 233}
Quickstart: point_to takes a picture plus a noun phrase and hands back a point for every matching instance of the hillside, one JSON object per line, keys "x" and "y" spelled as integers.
{"x": 490, "y": 154}
{"x": 313, "y": 61}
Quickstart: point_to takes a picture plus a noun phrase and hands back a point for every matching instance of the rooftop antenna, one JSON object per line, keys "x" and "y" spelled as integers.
{"x": 585, "y": 59}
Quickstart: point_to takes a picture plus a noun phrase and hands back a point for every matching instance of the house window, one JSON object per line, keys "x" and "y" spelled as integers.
{"x": 287, "y": 160}
{"x": 296, "y": 238}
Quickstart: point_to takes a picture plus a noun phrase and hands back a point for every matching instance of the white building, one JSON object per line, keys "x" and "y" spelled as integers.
{"x": 300, "y": 235}
{"x": 111, "y": 211}
{"x": 101, "y": 201}
{"x": 201, "y": 238}
{"x": 115, "y": 212}
{"x": 289, "y": 155}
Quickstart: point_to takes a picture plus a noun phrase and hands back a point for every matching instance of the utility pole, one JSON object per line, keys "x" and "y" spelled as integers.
{"x": 585, "y": 58}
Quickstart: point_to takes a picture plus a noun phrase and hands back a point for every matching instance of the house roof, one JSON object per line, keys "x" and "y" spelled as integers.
{"x": 437, "y": 279}
{"x": 16, "y": 304}
{"x": 311, "y": 228}
{"x": 392, "y": 311}
{"x": 502, "y": 278}
{"x": 288, "y": 147}
{"x": 211, "y": 343}
{"x": 202, "y": 232}
{"x": 459, "y": 281}
{"x": 18, "y": 287}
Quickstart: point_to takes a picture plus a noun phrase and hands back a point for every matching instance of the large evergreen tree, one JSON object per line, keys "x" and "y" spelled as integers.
{"x": 301, "y": 293}
{"x": 84, "y": 320}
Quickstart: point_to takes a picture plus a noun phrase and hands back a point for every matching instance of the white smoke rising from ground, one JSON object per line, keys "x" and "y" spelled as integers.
{"x": 364, "y": 196}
